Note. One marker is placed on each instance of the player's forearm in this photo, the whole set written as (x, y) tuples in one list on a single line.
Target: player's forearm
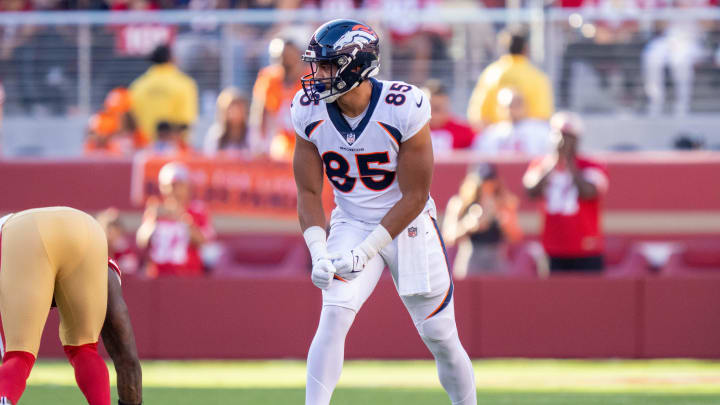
[(586, 190), (127, 365), (310, 210), (534, 183), (129, 382), (403, 212)]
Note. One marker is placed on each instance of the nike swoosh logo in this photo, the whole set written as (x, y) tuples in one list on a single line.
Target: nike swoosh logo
[(421, 100)]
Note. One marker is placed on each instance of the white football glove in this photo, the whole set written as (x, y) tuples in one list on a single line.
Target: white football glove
[(322, 273), (350, 261), (355, 259)]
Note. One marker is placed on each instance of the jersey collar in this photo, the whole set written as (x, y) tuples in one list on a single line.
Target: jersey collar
[(340, 123)]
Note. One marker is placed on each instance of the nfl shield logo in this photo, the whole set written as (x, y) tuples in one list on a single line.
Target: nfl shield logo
[(350, 138), (412, 231)]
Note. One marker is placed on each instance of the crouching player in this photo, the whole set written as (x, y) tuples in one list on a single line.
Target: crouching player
[(58, 256), (373, 141)]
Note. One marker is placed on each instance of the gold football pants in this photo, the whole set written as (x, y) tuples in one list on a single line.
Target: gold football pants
[(48, 253)]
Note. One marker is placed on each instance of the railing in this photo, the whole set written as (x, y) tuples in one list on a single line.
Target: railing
[(64, 63)]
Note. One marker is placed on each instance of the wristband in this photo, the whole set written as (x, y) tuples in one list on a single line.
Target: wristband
[(316, 241), (378, 239)]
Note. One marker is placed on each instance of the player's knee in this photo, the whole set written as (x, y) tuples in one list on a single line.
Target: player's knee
[(337, 320), (75, 353), (437, 328)]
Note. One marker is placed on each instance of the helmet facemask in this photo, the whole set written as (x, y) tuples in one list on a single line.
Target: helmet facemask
[(345, 75)]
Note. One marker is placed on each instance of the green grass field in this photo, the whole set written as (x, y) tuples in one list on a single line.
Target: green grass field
[(516, 382)]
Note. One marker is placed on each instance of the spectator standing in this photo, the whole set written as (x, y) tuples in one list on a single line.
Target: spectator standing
[(516, 133), (273, 92), (571, 188), (163, 93), (175, 228), (679, 48), (447, 131), (229, 133), (481, 219), (416, 46), (512, 70), (609, 44)]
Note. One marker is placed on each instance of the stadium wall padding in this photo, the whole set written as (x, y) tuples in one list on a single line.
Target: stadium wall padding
[(638, 182), (564, 317)]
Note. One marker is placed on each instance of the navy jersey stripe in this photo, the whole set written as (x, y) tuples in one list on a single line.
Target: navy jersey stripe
[(449, 294), (392, 131), (342, 125), (310, 128)]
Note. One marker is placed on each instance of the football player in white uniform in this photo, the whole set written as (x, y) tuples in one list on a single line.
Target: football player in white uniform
[(371, 138)]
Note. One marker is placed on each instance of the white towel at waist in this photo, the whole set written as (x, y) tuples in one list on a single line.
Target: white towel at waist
[(413, 268)]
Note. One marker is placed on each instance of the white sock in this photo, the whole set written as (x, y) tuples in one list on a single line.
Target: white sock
[(326, 355)]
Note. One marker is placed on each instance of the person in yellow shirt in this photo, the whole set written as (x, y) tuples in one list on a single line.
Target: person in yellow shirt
[(513, 70), (163, 93)]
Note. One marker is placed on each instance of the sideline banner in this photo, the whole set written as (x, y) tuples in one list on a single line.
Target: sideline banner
[(229, 185)]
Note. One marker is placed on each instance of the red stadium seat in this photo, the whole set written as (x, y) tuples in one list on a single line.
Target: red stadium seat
[(617, 249), (633, 263), (700, 256)]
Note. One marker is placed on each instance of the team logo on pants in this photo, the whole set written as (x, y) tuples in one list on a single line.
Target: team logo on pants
[(412, 231)]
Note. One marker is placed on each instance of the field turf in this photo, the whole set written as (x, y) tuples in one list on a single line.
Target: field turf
[(516, 382)]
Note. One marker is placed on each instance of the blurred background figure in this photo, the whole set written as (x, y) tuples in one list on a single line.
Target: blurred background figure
[(481, 219), (571, 188), (610, 47), (448, 131), (420, 49), (679, 48), (516, 133), (274, 89), (163, 93), (113, 131), (513, 70), (229, 132), (174, 227), (169, 139), (121, 247)]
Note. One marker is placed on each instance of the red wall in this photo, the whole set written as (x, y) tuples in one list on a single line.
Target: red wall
[(497, 317), (638, 182)]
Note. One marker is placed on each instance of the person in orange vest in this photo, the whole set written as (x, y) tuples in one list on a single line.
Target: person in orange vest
[(275, 87)]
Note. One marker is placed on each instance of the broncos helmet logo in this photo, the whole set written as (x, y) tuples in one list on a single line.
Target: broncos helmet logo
[(359, 37)]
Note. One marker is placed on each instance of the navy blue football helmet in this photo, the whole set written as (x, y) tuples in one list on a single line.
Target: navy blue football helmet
[(353, 51)]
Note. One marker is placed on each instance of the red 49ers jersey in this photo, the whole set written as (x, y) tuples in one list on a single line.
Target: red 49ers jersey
[(572, 225)]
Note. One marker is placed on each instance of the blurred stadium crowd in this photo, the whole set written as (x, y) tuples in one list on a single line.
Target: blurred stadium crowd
[(208, 89)]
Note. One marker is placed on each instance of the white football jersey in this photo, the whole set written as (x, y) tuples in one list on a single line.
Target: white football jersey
[(361, 162)]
